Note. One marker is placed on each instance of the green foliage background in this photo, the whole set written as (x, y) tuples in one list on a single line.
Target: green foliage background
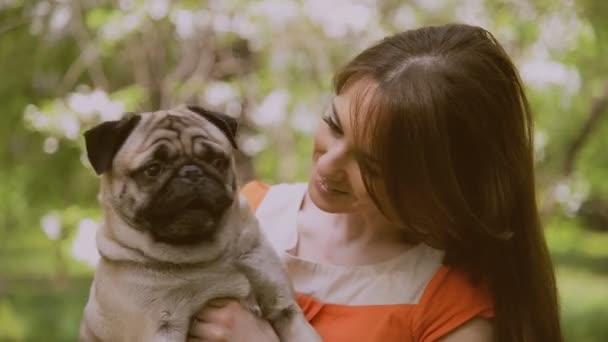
[(66, 65)]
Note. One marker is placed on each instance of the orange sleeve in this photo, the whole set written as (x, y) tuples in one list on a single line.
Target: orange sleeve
[(254, 192), (449, 301)]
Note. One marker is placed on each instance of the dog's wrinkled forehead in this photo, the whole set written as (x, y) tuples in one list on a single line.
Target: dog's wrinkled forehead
[(177, 131), (185, 125), (180, 125)]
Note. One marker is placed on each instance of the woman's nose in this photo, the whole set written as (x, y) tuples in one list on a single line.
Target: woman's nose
[(333, 163)]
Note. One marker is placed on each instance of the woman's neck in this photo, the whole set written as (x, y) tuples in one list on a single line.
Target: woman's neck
[(346, 238), (361, 225)]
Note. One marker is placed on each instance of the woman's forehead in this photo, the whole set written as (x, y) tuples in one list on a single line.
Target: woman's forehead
[(357, 99), (359, 107)]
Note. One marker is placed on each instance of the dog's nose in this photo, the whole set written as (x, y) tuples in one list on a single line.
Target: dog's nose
[(190, 172)]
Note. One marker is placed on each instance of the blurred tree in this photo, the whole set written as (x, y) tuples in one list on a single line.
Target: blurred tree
[(67, 65)]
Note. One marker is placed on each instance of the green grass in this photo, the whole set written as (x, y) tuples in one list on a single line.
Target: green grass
[(43, 310), (581, 259)]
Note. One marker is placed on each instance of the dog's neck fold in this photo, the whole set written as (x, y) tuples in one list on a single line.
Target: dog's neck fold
[(117, 241)]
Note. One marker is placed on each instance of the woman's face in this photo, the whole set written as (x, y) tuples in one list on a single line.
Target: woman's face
[(336, 185)]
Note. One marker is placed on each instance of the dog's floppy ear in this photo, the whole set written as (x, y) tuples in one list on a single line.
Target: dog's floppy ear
[(104, 140), (226, 123)]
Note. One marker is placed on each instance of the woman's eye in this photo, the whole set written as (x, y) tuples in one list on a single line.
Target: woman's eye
[(153, 170), (331, 124)]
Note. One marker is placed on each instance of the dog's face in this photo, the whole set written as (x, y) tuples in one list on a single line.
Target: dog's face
[(169, 173)]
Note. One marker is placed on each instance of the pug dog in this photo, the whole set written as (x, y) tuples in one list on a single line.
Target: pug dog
[(175, 233)]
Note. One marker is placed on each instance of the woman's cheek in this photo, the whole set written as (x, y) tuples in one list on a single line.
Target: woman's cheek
[(320, 144)]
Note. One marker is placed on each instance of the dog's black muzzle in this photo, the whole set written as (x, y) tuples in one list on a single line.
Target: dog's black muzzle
[(190, 207)]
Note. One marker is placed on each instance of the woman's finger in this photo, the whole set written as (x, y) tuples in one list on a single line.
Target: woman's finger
[(224, 316), (203, 331), (194, 329)]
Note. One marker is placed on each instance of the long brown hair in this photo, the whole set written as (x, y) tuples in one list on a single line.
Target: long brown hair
[(451, 134)]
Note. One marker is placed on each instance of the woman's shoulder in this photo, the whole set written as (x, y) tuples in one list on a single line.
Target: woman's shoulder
[(450, 300), (258, 193), (276, 208), (254, 192)]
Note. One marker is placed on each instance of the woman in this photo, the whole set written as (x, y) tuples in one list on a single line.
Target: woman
[(419, 221)]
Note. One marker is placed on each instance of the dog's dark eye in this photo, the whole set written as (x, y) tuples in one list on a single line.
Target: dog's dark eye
[(153, 170), (218, 162)]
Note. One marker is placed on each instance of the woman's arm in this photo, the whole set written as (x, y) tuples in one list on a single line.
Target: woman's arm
[(475, 330)]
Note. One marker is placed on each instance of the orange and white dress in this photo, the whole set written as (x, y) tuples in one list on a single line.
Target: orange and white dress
[(412, 297)]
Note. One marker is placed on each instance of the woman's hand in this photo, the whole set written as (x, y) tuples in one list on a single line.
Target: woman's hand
[(225, 320)]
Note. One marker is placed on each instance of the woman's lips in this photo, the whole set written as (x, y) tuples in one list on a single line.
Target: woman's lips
[(329, 187)]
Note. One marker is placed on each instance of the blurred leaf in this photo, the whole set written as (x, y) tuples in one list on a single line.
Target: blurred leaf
[(97, 17), (132, 96), (11, 325)]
